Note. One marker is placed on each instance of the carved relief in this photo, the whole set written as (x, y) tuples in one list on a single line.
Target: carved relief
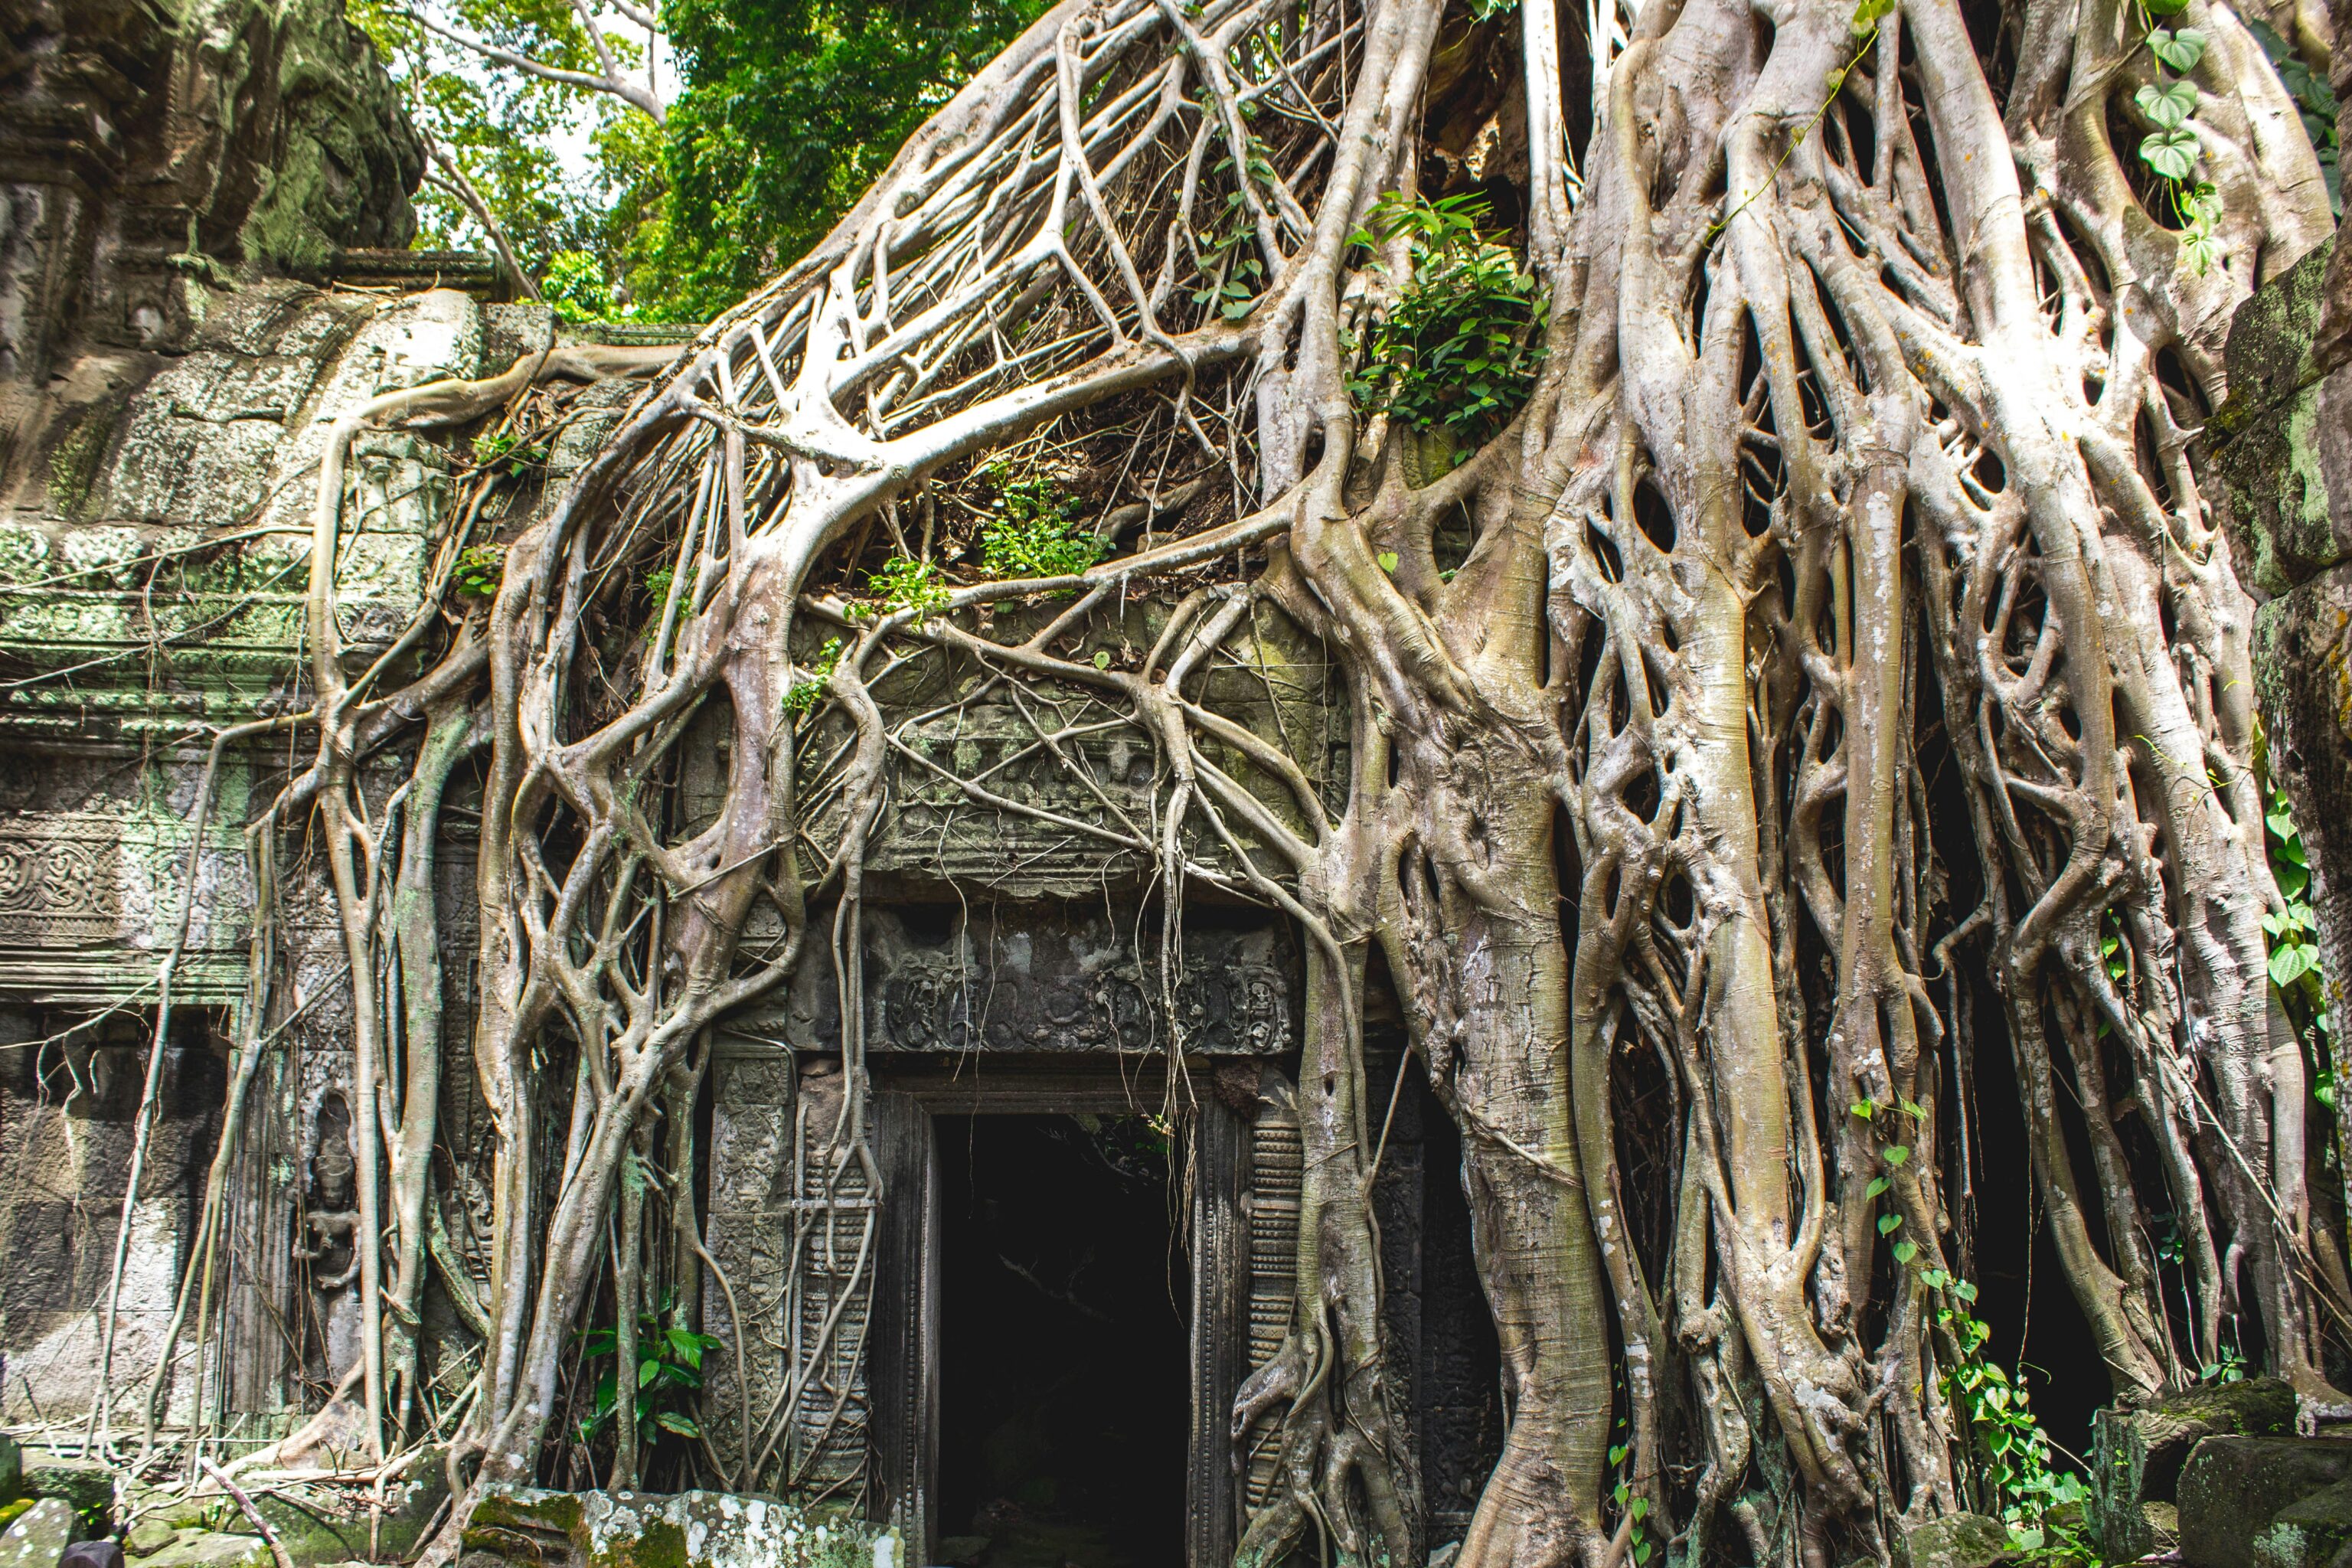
[(1031, 978)]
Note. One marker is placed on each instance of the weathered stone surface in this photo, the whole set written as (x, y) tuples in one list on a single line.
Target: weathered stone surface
[(2311, 1533), (320, 1524), (1959, 1541), (1048, 980), (265, 135), (2136, 1455), (85, 1486), (149, 1536), (39, 1536), (2281, 433), (210, 1549), (679, 1530), (2303, 683), (2232, 1488)]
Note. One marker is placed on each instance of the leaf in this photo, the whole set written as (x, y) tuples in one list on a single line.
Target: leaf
[(2165, 8), (1388, 560), (688, 1346), (2179, 51), (1897, 1155), (1904, 1252), (1877, 1186), (684, 1425), (2168, 107), (1641, 1506), (1887, 1221), (2288, 964), (1617, 1452), (1862, 1108), (1102, 658), (1965, 1290), (2171, 153), (1867, 15)]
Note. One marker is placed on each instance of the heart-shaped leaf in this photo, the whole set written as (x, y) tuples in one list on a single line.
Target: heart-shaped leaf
[(1904, 1252), (2179, 51), (1887, 1221), (2168, 107), (2171, 153)]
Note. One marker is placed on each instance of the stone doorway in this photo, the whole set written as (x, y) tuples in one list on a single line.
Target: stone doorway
[(1077, 1413), (1065, 1378)]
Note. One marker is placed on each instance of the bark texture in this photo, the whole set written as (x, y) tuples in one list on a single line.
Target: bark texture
[(1862, 450)]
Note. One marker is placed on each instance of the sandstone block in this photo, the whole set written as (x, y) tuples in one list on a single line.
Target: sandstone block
[(2233, 1487), (1959, 1541), (2137, 1455), (39, 1536), (678, 1529)]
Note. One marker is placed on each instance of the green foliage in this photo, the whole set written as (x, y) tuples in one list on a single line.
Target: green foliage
[(804, 693), (480, 569), (496, 447), (657, 586), (1036, 532), (2294, 929), (2010, 1464), (904, 585), (667, 1373), (1457, 349), (2293, 933), (2169, 148), (2314, 102), (791, 108), (574, 287), (498, 124)]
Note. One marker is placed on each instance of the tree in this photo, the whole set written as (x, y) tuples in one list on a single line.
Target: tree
[(490, 84), (1809, 402), (793, 107)]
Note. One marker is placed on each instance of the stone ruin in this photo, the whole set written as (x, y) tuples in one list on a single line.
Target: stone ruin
[(203, 223)]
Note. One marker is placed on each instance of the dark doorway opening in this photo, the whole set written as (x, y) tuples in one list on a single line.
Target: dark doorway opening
[(1065, 1379)]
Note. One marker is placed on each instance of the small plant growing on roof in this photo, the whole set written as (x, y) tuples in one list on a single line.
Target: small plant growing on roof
[(480, 569), (1036, 532), (1457, 348)]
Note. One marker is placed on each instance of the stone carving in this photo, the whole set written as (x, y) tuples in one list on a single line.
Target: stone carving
[(1049, 979), (936, 1003), (131, 136)]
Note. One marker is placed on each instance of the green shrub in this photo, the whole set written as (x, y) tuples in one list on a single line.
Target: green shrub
[(1036, 532), (1457, 349)]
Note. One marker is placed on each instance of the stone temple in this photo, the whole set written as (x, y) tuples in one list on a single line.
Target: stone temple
[(1035, 1314), (204, 222)]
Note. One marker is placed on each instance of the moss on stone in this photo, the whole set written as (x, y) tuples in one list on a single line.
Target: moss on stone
[(73, 462)]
